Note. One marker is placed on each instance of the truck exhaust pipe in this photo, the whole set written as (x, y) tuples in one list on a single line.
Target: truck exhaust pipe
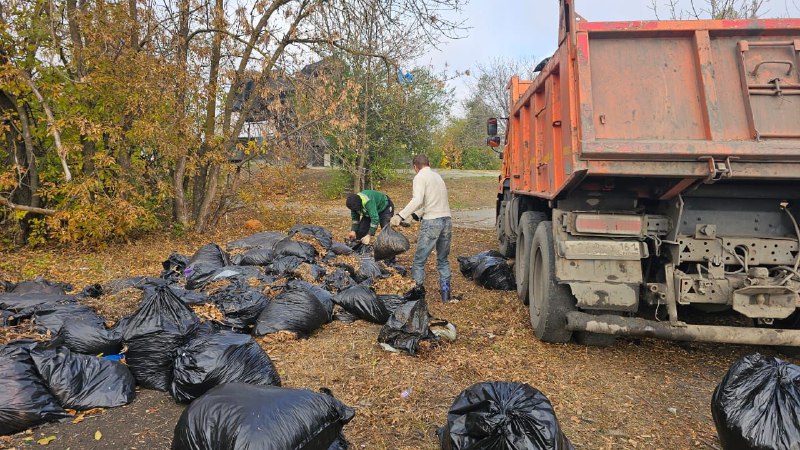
[(627, 326)]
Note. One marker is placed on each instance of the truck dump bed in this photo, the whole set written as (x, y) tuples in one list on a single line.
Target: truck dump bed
[(673, 102)]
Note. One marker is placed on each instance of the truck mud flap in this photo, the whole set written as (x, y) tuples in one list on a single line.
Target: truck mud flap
[(625, 326)]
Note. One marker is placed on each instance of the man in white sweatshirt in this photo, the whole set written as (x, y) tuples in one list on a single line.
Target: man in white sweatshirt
[(430, 205)]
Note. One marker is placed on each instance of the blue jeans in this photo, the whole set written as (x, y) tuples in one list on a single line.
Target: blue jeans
[(434, 233)]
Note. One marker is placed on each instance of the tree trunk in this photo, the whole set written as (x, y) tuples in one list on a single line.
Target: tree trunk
[(208, 197), (89, 149), (206, 181), (180, 199), (180, 212)]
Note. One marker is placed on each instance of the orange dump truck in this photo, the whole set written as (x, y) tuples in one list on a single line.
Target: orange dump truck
[(651, 176)]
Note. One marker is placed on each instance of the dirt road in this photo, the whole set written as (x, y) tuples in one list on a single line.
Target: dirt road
[(638, 393)]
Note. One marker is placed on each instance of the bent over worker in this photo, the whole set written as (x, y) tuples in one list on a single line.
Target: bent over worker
[(429, 204), (368, 209)]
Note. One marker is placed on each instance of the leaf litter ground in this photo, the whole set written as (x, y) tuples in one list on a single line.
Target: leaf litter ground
[(637, 394)]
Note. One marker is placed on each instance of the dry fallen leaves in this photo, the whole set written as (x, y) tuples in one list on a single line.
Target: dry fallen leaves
[(25, 330), (208, 311), (46, 440), (393, 285), (98, 435), (299, 237)]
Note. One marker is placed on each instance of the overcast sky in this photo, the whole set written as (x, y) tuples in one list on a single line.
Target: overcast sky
[(528, 28)]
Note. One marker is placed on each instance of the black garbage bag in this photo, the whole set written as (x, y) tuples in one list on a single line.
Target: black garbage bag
[(285, 265), (342, 315), (324, 297), (240, 304), (390, 243), (368, 269), (338, 248), (489, 269), (502, 416), (399, 268), (407, 326), (51, 317), (467, 264), (340, 443), (39, 286), (174, 266), (211, 359), (25, 401), (28, 302), (237, 416), (266, 239), (302, 250), (188, 297), (242, 273), (88, 338), (7, 318), (295, 310), (392, 302), (91, 291), (323, 236), (338, 280), (495, 273), (757, 405), (160, 325), (204, 264), (254, 257), (120, 284), (363, 303), (316, 272), (83, 382)]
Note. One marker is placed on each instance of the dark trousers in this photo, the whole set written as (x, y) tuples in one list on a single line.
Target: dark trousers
[(383, 217)]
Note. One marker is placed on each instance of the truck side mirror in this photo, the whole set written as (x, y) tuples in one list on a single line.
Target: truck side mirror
[(493, 141), (491, 127)]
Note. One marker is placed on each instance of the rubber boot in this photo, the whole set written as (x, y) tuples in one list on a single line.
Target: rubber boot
[(444, 290)]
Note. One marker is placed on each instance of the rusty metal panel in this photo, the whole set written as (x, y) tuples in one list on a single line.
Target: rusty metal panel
[(606, 296), (646, 89), (669, 97), (599, 271), (771, 86)]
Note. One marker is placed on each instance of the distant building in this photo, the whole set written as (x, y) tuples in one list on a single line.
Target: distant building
[(273, 115)]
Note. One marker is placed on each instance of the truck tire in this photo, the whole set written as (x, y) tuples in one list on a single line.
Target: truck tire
[(549, 301), (505, 245), (512, 217), (526, 229)]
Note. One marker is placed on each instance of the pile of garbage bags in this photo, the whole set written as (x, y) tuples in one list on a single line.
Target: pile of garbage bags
[(757, 405), (502, 416), (488, 269), (38, 384), (194, 334)]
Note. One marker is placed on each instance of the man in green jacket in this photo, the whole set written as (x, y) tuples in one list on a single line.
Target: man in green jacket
[(368, 209)]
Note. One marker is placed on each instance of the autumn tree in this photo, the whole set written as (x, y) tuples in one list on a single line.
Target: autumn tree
[(119, 116), (708, 9)]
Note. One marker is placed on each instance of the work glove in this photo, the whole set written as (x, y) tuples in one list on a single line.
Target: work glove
[(351, 236), (396, 219), (366, 239)]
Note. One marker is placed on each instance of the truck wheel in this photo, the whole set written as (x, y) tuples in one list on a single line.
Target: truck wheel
[(506, 245), (549, 301), (526, 229)]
